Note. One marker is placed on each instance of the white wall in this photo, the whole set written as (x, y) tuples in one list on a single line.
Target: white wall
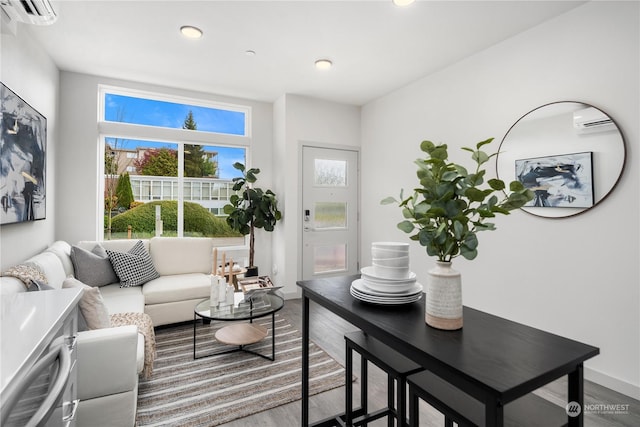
[(79, 143), (299, 121), (28, 71), (577, 277)]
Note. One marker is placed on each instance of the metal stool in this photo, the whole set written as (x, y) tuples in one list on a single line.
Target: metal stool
[(423, 385), (459, 407), (397, 367)]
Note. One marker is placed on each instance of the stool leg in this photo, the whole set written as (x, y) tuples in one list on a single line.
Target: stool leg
[(402, 402), (414, 413), (391, 401), (348, 386), (364, 389)]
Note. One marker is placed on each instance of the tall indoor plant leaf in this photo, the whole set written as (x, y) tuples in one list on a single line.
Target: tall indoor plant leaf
[(251, 207)]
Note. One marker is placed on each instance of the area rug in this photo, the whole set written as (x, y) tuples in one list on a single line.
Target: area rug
[(215, 390)]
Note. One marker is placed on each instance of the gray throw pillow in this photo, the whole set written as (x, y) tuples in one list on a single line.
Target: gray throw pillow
[(35, 286), (93, 268), (135, 267)]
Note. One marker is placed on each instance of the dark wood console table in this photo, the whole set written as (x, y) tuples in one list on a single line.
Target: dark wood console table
[(493, 360)]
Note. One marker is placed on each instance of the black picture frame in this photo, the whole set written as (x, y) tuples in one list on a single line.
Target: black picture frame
[(558, 181), (23, 160)]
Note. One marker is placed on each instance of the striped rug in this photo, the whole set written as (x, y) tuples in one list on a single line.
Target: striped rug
[(215, 390)]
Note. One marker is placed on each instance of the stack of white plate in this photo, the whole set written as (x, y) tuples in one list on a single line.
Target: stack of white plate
[(389, 280)]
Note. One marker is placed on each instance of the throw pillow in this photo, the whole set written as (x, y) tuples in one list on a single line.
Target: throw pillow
[(35, 286), (135, 267), (92, 308), (93, 268)]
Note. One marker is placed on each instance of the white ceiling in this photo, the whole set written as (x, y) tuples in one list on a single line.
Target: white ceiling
[(375, 46)]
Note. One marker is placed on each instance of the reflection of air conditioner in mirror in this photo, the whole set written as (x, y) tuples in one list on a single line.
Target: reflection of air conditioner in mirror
[(38, 12), (592, 120)]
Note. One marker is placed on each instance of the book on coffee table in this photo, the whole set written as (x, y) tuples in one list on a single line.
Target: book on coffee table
[(255, 285)]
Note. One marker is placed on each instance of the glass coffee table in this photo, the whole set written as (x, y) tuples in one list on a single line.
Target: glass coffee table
[(241, 334)]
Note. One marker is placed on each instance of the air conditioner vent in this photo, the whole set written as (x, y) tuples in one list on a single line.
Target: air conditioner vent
[(590, 120), (38, 12)]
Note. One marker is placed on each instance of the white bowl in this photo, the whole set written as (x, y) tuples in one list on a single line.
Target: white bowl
[(390, 287), (394, 246), (391, 272), (370, 275), (379, 253), (402, 261)]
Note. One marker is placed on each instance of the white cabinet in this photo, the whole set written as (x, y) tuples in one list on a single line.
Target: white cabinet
[(38, 372)]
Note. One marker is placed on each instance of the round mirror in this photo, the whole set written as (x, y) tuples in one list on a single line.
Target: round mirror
[(570, 154)]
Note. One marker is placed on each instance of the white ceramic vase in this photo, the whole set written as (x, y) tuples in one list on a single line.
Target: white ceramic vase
[(443, 305)]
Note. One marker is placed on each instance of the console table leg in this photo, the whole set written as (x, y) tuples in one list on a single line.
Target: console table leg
[(494, 413), (576, 394)]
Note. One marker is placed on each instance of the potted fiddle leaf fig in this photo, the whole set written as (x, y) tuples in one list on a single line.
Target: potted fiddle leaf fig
[(445, 213), (251, 208)]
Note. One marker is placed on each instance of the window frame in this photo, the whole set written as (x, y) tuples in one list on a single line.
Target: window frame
[(109, 129)]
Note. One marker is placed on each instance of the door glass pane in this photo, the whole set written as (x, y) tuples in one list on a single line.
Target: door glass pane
[(332, 173), (329, 258), (330, 215)]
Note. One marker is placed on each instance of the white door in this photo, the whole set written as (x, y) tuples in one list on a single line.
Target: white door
[(329, 212)]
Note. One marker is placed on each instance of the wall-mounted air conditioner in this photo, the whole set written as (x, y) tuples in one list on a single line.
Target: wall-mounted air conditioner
[(38, 12), (592, 120)]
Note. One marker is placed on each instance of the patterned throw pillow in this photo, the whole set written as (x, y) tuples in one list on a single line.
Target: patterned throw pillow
[(135, 267)]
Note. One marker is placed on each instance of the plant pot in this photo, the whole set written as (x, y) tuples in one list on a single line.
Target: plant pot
[(252, 271), (443, 304)]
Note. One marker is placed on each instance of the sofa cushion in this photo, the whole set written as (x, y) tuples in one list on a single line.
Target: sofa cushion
[(93, 268), (178, 287), (91, 305), (62, 250), (173, 255), (135, 267), (122, 245), (11, 285), (123, 300), (49, 265)]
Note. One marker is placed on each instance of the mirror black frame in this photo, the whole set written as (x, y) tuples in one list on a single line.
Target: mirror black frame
[(565, 107)]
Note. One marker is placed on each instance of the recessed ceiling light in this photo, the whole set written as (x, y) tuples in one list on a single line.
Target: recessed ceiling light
[(191, 32), (323, 64), (403, 3), (250, 52)]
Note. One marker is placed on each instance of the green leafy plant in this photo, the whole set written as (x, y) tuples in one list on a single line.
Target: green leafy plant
[(250, 207), (124, 193), (198, 221), (452, 205)]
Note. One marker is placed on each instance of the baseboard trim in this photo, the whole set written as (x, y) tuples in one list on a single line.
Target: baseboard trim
[(613, 383)]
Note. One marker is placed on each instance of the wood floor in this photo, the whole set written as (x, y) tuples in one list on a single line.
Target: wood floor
[(327, 330)]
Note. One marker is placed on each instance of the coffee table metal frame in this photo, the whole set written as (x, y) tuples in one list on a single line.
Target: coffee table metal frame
[(233, 313)]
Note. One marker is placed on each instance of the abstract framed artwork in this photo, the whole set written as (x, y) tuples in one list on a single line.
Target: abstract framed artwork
[(558, 181), (23, 141)]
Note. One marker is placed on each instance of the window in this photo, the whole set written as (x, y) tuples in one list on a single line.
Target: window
[(153, 112), (181, 158)]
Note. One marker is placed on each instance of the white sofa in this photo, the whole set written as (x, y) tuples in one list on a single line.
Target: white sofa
[(111, 359)]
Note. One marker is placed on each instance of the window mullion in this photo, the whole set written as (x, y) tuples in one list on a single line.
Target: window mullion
[(180, 190)]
